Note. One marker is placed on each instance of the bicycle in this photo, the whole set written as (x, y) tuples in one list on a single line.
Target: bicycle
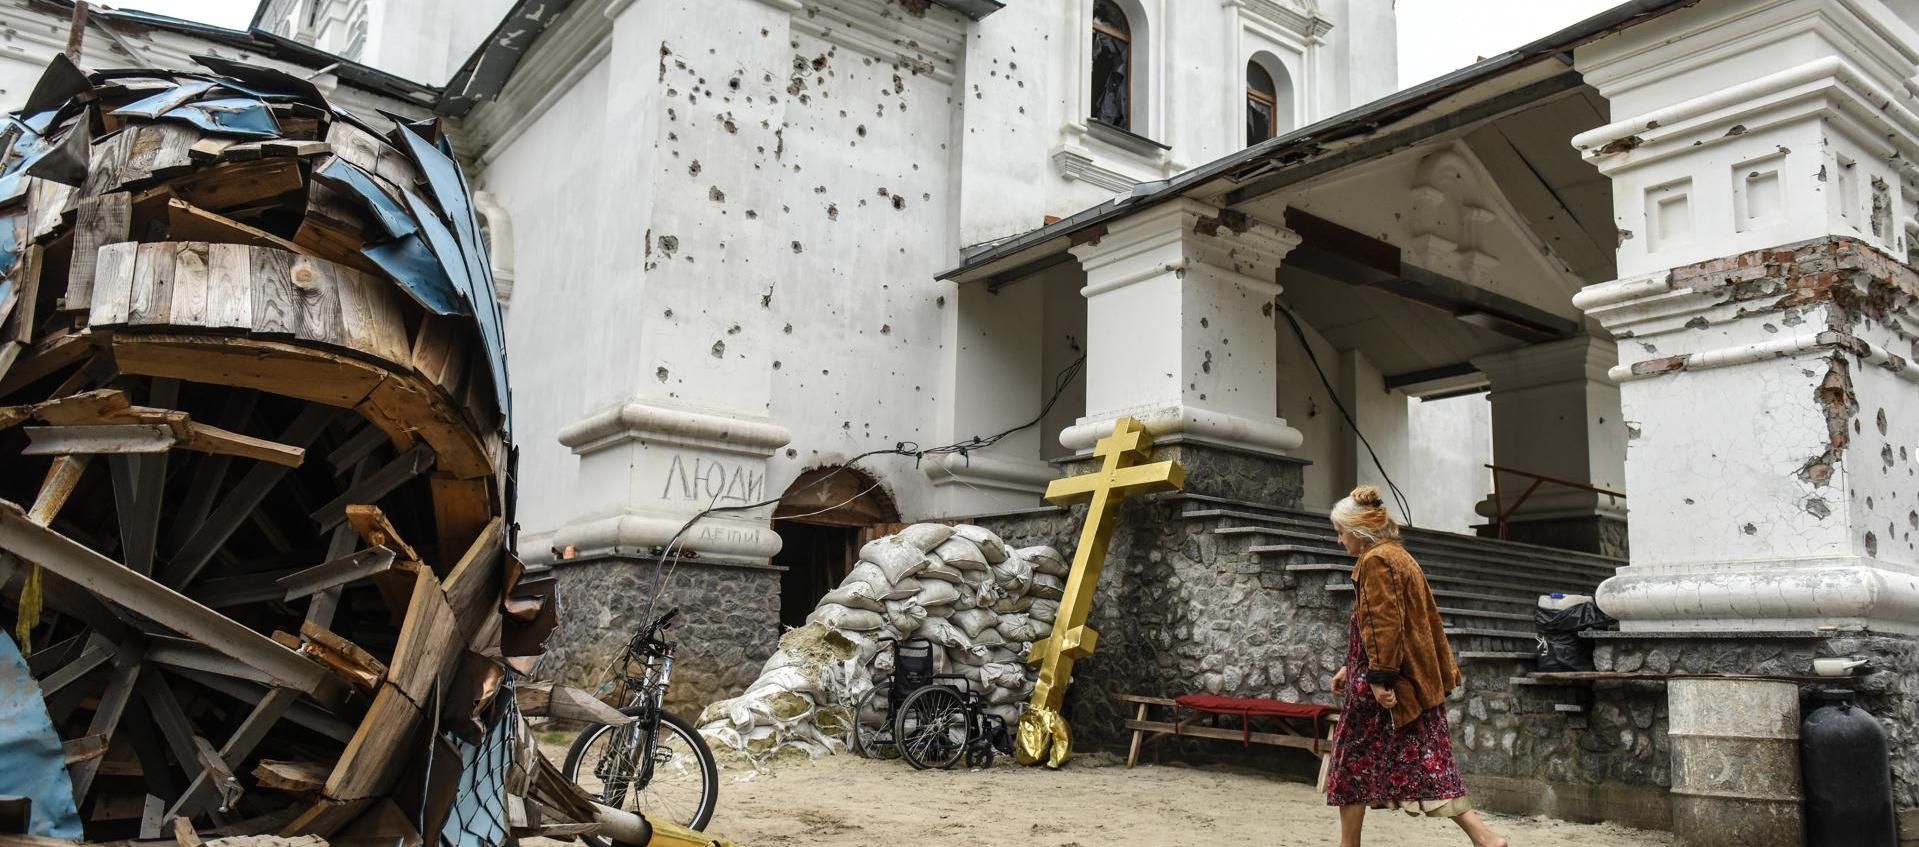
[(938, 725), (657, 765)]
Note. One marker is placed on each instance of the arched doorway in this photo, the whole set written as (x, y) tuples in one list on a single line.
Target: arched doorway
[(824, 519)]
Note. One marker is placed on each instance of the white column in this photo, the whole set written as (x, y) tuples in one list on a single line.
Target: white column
[(1764, 326), (997, 383), (1556, 413), (1180, 331)]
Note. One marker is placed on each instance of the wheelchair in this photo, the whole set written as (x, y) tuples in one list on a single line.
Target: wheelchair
[(932, 720)]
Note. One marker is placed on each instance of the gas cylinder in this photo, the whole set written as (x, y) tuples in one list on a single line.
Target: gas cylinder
[(1848, 776)]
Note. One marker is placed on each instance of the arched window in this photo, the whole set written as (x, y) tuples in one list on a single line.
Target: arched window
[(1262, 105), (1112, 66)]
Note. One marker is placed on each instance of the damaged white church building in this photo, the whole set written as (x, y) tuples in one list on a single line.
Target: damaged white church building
[(1630, 308)]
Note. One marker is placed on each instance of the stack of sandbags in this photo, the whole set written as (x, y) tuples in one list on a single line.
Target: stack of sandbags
[(980, 603)]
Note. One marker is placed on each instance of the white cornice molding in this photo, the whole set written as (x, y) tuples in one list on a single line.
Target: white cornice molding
[(1076, 163), (1283, 16), (1181, 235), (983, 470), (931, 44), (1586, 357), (653, 421)]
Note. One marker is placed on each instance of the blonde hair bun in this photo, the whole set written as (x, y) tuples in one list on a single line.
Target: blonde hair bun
[(1364, 513), (1367, 496)]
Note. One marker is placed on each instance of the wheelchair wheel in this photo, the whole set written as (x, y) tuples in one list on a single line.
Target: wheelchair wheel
[(979, 756), (873, 730), (932, 727)]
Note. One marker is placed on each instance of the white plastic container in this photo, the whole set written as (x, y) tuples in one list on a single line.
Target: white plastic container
[(1556, 600)]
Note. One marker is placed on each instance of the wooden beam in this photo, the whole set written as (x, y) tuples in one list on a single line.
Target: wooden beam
[(94, 440), (211, 782), (342, 571), (345, 658), (291, 777), (241, 500), (372, 525), (71, 561), (416, 460)]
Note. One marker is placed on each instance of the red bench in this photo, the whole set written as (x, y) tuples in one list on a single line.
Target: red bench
[(1305, 726)]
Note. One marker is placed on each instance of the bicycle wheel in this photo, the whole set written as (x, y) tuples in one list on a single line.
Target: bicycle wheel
[(931, 729), (872, 733), (685, 785)]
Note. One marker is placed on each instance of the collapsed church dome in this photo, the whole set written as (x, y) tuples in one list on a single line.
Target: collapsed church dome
[(254, 422)]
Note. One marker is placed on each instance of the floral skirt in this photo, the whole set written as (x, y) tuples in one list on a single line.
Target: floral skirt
[(1411, 768)]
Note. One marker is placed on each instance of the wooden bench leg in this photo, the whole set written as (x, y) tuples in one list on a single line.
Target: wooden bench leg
[(1132, 755)]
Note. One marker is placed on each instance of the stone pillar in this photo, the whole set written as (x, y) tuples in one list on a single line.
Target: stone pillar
[(1764, 328), (1556, 414), (997, 382), (1180, 335)]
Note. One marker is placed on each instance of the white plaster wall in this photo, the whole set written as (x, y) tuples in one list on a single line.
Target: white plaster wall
[(1881, 470), (559, 352), (427, 40), (1451, 442), (1307, 406)]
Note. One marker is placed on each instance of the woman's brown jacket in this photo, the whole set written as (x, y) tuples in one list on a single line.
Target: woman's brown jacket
[(1400, 629)]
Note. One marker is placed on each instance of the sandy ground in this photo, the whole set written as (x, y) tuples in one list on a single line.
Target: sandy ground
[(1093, 802)]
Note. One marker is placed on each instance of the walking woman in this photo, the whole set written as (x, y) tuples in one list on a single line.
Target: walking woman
[(1392, 749)]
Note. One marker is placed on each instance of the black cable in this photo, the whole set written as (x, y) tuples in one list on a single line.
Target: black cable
[(1405, 507), (904, 448)]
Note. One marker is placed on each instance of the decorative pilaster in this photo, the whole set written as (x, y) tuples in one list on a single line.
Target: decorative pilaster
[(1181, 336), (1556, 414), (1763, 326)]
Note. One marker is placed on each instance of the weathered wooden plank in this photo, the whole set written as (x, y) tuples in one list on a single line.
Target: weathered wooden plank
[(98, 221), (439, 352), (18, 327), (429, 643), (392, 724), (241, 500), (276, 303), (268, 366), (212, 784), (545, 699), (317, 282), (187, 223), (339, 571), (372, 525), (229, 287), (212, 439), (62, 557), (57, 488), (461, 509), (112, 293), (364, 318), (158, 150), (111, 439), (190, 282), (291, 777), (326, 817), (422, 412), (106, 714), (414, 461), (230, 185), (210, 149), (150, 301), (473, 586), (345, 658)]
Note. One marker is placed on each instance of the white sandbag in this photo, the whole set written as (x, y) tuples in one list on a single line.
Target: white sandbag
[(1014, 576), (1019, 626), (1003, 675), (1044, 610), (1004, 696), (1013, 603), (968, 658), (855, 595), (1045, 560), (868, 573), (843, 617), (967, 599), (1012, 652), (779, 659), (925, 536), (975, 621), (901, 590), (942, 632), (790, 678), (895, 558), (936, 593), (961, 553), (1047, 587), (933, 569), (1008, 712), (988, 637), (986, 594), (996, 550), (905, 617)]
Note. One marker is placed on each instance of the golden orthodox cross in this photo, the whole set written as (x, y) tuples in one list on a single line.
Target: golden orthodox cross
[(1122, 473)]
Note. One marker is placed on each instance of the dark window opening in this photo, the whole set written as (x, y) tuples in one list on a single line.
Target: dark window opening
[(1112, 66), (1262, 105)]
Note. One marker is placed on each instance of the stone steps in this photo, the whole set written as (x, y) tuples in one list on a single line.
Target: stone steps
[(1430, 556), (1523, 592), (1317, 521)]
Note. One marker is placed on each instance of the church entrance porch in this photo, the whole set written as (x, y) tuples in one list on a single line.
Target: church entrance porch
[(827, 515)]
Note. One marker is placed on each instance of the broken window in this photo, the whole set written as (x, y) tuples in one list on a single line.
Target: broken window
[(1262, 105), (1112, 66)]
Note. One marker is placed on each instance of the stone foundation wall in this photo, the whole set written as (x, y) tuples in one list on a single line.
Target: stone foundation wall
[(729, 623)]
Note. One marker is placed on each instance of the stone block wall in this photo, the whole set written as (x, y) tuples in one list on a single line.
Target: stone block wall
[(729, 623)]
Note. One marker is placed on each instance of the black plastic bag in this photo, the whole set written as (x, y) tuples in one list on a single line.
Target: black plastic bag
[(1560, 647)]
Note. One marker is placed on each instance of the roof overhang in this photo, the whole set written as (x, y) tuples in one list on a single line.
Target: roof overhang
[(1508, 82)]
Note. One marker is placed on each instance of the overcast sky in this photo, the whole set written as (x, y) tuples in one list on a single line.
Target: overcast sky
[(1435, 36)]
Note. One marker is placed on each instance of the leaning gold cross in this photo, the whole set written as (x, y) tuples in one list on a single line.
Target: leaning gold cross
[(1121, 475)]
